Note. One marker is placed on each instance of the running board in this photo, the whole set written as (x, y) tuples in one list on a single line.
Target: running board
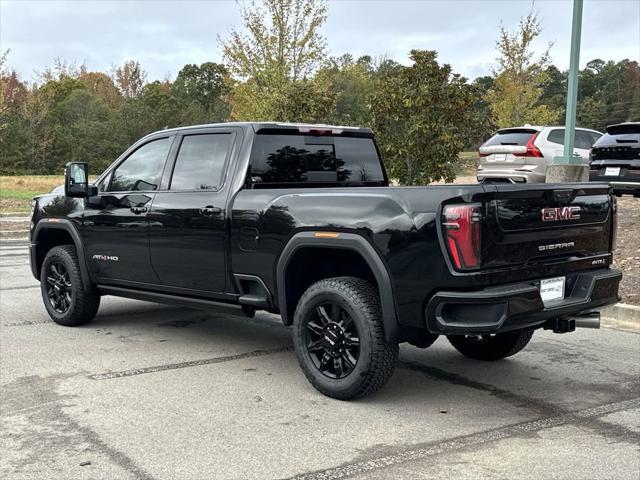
[(189, 302), (255, 301)]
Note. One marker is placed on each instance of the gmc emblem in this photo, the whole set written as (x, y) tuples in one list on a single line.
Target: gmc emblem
[(557, 214)]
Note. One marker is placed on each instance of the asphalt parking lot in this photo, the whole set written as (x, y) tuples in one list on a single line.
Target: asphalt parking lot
[(155, 392)]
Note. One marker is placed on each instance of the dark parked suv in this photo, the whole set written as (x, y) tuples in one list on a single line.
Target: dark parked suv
[(300, 220), (615, 158)]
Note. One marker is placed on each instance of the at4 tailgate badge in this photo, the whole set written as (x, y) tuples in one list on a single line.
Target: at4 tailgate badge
[(557, 214)]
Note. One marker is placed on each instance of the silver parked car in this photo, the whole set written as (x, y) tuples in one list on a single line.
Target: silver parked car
[(521, 154)]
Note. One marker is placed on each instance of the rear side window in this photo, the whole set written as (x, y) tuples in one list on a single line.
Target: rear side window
[(200, 162), (510, 137), (282, 158), (556, 136), (584, 139)]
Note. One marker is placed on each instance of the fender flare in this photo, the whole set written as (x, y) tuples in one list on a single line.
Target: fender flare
[(347, 241), (69, 227)]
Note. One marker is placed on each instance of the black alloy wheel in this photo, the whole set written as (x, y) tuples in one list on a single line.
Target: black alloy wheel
[(59, 287), (332, 340), (67, 300), (339, 338)]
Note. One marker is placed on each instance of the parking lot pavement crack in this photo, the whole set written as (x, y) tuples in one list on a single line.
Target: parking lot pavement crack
[(40, 438), (192, 363), (23, 287), (536, 405), (475, 440)]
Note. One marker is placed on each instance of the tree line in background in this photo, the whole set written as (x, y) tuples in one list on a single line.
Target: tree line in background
[(277, 68)]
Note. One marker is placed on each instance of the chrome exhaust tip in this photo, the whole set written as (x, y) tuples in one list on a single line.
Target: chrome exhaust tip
[(587, 320)]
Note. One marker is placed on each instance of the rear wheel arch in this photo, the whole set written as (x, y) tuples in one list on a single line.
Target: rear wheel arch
[(307, 259), (49, 234)]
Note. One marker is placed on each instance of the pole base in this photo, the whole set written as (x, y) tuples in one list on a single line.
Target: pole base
[(567, 173)]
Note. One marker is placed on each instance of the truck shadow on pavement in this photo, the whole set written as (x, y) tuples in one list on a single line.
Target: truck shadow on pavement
[(538, 379)]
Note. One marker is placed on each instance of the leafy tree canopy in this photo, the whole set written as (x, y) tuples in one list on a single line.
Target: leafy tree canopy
[(420, 115)]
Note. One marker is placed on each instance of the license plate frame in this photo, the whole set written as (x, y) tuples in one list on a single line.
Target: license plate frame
[(611, 171), (499, 157), (552, 289)]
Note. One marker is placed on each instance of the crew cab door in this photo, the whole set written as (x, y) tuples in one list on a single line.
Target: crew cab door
[(187, 221), (116, 225)]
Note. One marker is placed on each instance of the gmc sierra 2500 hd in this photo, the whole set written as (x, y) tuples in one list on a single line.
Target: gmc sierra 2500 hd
[(300, 220)]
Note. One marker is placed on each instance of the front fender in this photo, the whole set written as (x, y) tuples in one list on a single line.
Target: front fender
[(37, 237)]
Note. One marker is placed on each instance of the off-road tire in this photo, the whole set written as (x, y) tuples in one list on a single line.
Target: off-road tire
[(491, 348), (83, 305), (376, 358)]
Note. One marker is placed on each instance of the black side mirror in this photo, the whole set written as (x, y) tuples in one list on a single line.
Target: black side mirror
[(76, 180)]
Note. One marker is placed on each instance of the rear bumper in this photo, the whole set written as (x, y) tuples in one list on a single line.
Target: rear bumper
[(519, 306), (626, 182), (512, 175), (626, 187)]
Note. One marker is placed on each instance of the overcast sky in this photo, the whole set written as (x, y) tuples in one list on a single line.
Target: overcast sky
[(165, 35)]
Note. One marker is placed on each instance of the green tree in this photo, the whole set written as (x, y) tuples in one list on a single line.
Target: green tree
[(420, 114), (14, 95), (102, 86), (200, 91), (130, 78), (608, 93), (480, 125), (519, 78), (281, 44), (351, 83)]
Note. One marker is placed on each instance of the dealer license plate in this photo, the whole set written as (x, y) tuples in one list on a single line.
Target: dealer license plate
[(552, 289), (612, 171)]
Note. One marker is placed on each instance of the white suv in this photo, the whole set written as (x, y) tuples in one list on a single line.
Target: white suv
[(521, 154)]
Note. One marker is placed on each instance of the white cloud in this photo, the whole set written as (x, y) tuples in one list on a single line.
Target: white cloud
[(165, 35)]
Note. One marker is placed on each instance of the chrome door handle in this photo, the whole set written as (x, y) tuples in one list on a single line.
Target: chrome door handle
[(138, 210), (210, 210)]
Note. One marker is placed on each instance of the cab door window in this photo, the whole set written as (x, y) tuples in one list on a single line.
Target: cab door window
[(142, 170)]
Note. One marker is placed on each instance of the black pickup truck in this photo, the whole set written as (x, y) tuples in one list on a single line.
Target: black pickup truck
[(300, 220)]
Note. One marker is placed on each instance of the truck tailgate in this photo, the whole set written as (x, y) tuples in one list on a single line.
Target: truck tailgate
[(546, 223)]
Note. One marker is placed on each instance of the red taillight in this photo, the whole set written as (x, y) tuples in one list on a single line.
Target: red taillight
[(463, 235), (532, 150), (614, 224)]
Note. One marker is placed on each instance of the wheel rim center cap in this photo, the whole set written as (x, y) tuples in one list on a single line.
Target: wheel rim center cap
[(333, 337)]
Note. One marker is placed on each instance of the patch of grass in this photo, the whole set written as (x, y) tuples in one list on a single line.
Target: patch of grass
[(468, 162), (16, 192), (30, 183)]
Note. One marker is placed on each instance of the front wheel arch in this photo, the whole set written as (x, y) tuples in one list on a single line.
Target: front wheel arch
[(50, 233)]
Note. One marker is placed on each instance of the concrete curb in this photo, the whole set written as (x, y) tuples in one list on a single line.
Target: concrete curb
[(13, 234), (622, 317), (14, 241), (14, 214)]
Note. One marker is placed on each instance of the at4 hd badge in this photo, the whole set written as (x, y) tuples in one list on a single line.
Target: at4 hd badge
[(105, 258)]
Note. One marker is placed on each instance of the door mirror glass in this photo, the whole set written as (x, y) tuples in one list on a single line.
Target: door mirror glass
[(75, 180)]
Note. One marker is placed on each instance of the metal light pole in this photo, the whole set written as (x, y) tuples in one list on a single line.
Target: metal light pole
[(572, 83), (569, 168)]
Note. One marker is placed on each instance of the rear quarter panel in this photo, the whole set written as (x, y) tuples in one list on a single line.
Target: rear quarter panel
[(400, 223)]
